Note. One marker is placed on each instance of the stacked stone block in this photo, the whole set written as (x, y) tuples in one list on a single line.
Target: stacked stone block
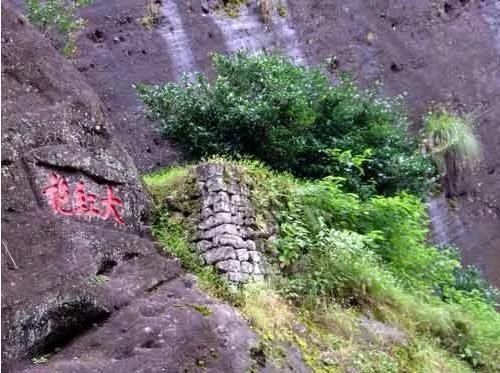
[(227, 230)]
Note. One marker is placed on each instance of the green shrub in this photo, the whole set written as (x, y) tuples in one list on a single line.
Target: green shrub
[(469, 281), (417, 288), (396, 226), (373, 255), (231, 7), (292, 119), (339, 266), (57, 19)]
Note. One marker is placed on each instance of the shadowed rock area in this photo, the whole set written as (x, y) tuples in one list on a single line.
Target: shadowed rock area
[(82, 283)]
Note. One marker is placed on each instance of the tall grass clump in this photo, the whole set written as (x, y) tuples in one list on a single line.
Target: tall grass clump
[(451, 142)]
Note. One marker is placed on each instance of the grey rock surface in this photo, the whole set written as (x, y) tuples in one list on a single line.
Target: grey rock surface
[(90, 292)]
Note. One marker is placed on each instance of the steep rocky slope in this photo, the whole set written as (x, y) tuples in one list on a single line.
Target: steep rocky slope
[(80, 280), (80, 277), (432, 52)]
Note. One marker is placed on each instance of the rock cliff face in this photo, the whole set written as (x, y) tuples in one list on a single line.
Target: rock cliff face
[(430, 51), (79, 271), (444, 52), (80, 277)]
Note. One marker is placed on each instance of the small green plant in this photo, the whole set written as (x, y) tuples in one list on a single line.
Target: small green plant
[(100, 279), (231, 7), (282, 9), (468, 280), (451, 141), (41, 359), (57, 19), (201, 308)]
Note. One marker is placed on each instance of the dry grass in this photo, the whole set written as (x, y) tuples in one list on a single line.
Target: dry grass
[(332, 340), (152, 17), (266, 309)]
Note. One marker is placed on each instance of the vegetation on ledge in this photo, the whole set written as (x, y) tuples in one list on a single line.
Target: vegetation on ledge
[(58, 19), (341, 264), (356, 284)]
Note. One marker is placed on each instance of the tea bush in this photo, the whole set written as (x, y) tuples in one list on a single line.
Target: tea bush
[(291, 118), (396, 226)]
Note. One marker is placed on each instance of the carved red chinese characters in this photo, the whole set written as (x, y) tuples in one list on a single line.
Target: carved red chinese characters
[(58, 194), (82, 203), (110, 203)]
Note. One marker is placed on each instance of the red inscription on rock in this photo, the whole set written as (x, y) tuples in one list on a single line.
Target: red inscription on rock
[(59, 196), (110, 203)]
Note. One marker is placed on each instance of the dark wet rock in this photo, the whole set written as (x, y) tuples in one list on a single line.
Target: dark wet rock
[(97, 35), (88, 289), (161, 333)]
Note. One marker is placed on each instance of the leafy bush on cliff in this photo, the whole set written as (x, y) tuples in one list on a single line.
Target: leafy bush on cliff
[(293, 119)]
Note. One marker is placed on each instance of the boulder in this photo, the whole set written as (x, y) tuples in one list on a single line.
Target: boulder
[(83, 285)]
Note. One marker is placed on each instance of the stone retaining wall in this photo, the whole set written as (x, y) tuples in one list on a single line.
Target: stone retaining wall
[(227, 234)]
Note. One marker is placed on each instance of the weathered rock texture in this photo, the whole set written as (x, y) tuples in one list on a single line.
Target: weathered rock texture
[(228, 235), (431, 51), (94, 294)]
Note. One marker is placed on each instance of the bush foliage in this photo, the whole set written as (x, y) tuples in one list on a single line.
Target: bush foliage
[(293, 119), (373, 254)]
